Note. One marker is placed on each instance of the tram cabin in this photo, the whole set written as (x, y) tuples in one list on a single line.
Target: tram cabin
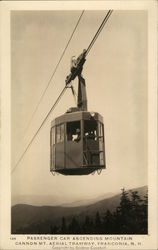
[(77, 143)]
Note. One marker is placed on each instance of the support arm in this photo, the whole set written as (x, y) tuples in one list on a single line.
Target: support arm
[(82, 95), (76, 70)]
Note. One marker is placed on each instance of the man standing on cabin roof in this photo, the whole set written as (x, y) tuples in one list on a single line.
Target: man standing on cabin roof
[(73, 65), (76, 71), (77, 64)]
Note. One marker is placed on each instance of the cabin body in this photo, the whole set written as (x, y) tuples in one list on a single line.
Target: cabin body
[(77, 143)]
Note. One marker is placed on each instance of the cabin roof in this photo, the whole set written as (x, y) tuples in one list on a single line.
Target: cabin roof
[(75, 116)]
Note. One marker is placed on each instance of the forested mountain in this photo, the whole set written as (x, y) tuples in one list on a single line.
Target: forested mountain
[(123, 213)]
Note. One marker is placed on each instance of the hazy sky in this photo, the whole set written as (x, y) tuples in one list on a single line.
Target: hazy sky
[(116, 78)]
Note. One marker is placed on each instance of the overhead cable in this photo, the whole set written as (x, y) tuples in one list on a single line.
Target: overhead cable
[(99, 30), (33, 114), (52, 108)]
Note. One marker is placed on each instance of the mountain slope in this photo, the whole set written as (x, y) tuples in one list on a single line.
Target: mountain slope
[(25, 216)]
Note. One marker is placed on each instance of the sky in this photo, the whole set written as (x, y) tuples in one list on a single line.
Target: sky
[(116, 80)]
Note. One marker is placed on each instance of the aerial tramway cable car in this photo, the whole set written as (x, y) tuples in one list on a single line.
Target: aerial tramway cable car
[(77, 137), (77, 144)]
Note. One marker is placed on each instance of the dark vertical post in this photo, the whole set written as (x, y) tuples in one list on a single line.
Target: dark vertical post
[(82, 96)]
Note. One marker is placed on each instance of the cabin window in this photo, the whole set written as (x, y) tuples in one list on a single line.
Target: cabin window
[(53, 136), (101, 158), (100, 129), (73, 131), (52, 159), (90, 129), (101, 140), (60, 133)]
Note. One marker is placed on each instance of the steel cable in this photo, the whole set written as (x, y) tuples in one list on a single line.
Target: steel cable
[(99, 30), (52, 108), (33, 114)]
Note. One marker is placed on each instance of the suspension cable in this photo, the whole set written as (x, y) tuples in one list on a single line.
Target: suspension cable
[(52, 108), (33, 114), (81, 59), (98, 31)]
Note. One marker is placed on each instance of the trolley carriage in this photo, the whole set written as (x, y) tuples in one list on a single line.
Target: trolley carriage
[(77, 137), (74, 152)]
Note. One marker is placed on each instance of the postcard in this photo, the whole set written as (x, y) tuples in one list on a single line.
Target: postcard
[(78, 125)]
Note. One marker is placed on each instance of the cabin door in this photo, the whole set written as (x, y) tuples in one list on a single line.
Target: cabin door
[(73, 148)]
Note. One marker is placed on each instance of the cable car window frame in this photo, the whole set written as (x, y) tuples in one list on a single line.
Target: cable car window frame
[(100, 130), (69, 136), (62, 132), (91, 136), (59, 133), (52, 135), (52, 148), (101, 143)]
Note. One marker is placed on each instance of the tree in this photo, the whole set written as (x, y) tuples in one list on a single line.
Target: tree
[(135, 212), (122, 215), (108, 222), (97, 223), (131, 215), (54, 229), (144, 215), (87, 227), (74, 227), (63, 226)]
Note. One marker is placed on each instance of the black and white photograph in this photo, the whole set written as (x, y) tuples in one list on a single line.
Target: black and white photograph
[(81, 120)]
